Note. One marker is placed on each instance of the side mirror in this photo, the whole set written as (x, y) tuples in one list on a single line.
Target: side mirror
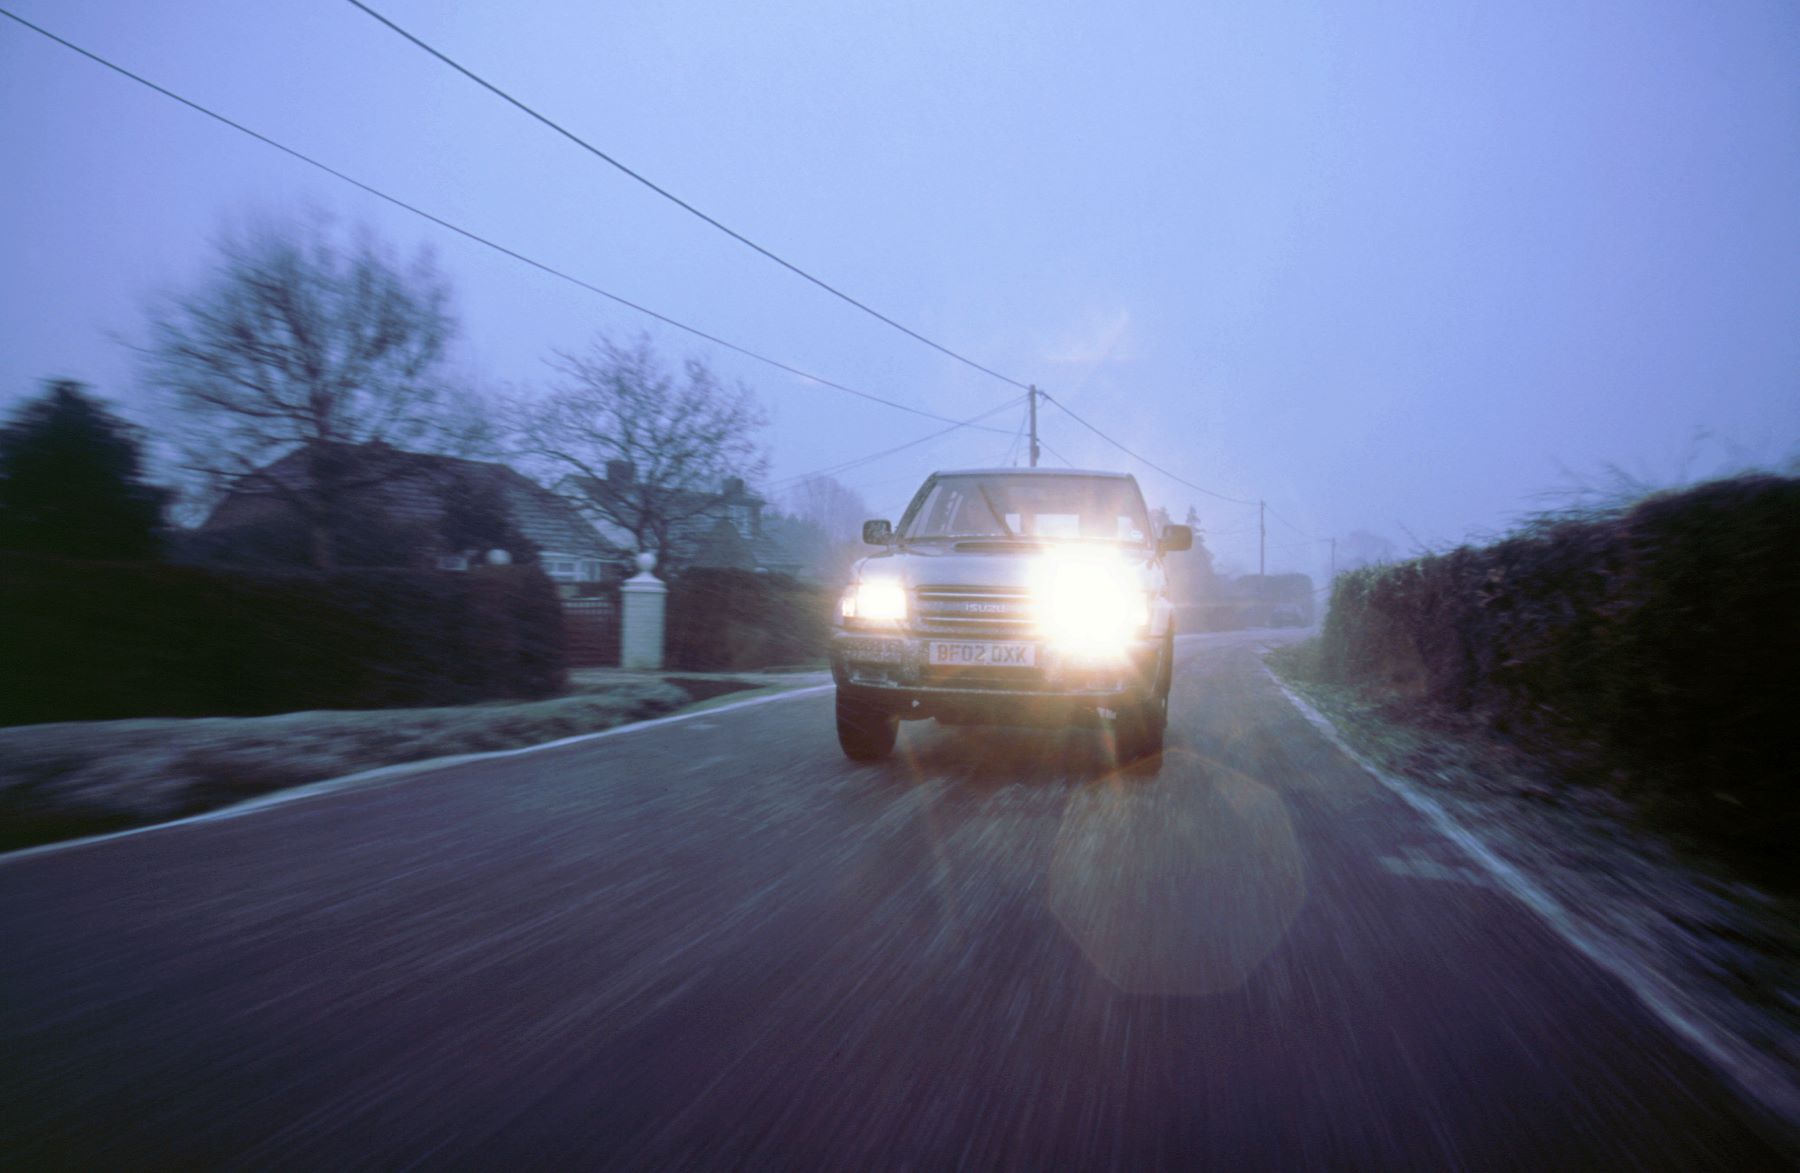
[(1176, 538), (878, 533)]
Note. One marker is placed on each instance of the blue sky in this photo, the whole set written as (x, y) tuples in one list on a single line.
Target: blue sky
[(1394, 267)]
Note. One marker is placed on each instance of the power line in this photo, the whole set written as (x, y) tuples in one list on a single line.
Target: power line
[(1140, 458), (482, 240), (626, 302), (847, 465), (1303, 533), (1041, 444), (677, 200)]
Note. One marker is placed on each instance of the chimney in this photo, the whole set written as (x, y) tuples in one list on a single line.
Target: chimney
[(620, 472), (734, 487)]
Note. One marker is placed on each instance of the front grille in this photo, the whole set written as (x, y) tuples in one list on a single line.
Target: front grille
[(976, 612)]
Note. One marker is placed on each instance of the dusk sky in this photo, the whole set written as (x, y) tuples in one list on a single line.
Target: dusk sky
[(1393, 267)]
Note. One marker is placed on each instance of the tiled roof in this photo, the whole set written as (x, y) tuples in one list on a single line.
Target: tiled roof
[(413, 491)]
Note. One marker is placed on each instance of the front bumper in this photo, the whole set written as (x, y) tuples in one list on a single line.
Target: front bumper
[(889, 670)]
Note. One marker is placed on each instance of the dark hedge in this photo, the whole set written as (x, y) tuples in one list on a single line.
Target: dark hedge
[(731, 620), (1665, 639), (96, 641)]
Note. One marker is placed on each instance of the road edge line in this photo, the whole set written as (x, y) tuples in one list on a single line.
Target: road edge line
[(393, 773), (1764, 1086)]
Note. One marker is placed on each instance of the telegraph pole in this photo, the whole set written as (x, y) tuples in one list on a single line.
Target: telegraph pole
[(1031, 397), (1262, 536)]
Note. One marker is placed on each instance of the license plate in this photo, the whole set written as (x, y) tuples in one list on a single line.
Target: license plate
[(986, 655)]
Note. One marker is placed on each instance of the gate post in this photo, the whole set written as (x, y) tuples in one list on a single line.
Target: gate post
[(642, 599)]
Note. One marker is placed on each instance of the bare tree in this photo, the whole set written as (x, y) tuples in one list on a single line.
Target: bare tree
[(300, 362), (822, 524), (1363, 548), (836, 509), (637, 446)]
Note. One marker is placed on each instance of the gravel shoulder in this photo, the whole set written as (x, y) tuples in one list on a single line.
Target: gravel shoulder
[(61, 781), (1720, 953)]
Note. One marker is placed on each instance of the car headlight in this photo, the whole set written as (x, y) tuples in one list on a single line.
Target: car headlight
[(875, 601), (1092, 608)]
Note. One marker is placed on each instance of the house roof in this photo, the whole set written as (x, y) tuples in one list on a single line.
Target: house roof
[(597, 489), (413, 489)]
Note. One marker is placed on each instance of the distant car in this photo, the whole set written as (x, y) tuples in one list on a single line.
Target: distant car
[(1287, 615), (1015, 597)]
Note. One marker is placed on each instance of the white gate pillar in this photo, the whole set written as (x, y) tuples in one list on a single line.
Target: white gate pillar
[(643, 598)]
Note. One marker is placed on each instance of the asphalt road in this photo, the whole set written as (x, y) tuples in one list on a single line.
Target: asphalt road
[(717, 943)]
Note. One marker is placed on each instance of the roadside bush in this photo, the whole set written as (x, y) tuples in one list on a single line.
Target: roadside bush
[(1661, 640), (94, 641), (731, 620)]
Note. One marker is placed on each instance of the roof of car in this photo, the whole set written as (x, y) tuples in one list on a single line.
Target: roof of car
[(1032, 472)]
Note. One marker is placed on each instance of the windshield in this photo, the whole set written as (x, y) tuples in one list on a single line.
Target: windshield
[(1063, 508)]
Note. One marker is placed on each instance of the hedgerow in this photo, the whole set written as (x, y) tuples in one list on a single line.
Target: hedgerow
[(1661, 639), (95, 641)]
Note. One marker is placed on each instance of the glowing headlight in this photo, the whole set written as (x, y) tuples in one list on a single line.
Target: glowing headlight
[(877, 601), (1092, 607)]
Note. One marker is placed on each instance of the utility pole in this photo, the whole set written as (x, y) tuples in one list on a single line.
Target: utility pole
[(1031, 395), (1333, 559), (1262, 538)]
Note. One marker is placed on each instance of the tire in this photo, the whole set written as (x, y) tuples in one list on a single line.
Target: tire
[(865, 733), (1138, 731)]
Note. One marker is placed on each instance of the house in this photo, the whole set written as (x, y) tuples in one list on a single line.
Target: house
[(722, 529), (412, 508)]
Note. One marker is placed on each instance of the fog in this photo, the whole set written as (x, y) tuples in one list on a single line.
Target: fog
[(1401, 270)]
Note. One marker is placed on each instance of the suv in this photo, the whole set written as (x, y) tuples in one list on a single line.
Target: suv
[(1011, 597)]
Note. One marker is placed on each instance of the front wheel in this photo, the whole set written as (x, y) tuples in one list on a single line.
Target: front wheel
[(866, 733), (1138, 731)]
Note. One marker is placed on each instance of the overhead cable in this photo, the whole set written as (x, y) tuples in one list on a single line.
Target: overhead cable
[(1139, 457), (1284, 521), (677, 200), (847, 465), (482, 240)]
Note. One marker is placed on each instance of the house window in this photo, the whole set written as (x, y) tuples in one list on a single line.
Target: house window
[(568, 568)]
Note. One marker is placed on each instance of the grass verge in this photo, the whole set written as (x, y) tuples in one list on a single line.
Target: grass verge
[(60, 781)]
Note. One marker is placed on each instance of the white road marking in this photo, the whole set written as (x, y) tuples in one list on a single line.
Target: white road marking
[(395, 772), (1763, 1082)]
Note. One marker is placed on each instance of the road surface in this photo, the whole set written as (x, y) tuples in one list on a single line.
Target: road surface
[(714, 942)]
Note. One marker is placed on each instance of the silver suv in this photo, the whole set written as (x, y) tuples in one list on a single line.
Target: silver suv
[(1012, 597)]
